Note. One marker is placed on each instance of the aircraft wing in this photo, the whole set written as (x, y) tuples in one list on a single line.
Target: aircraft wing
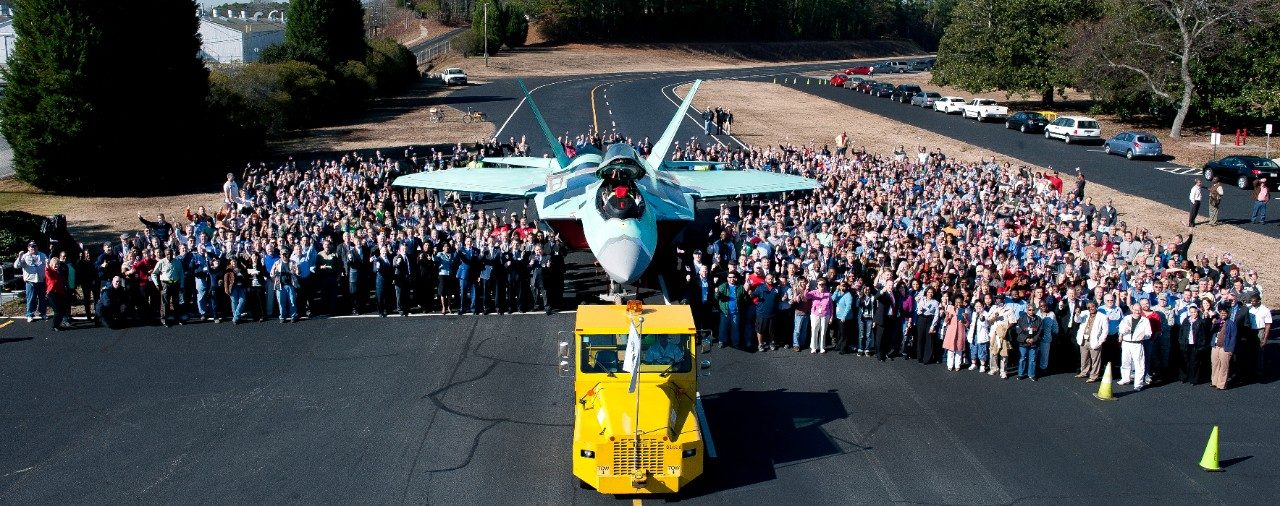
[(724, 183), (533, 162), (519, 182)]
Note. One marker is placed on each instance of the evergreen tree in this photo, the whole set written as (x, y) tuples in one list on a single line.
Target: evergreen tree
[(47, 106), (325, 32), (1012, 45), (81, 100)]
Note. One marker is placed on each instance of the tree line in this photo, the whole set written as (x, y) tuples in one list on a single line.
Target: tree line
[(739, 20), (95, 104), (1209, 62)]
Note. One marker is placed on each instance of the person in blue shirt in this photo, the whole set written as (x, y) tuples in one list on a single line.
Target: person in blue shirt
[(731, 297), (846, 326), (766, 295), (1112, 312), (468, 259)]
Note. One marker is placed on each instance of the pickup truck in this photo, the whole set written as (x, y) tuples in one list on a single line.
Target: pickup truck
[(982, 109), (453, 76)]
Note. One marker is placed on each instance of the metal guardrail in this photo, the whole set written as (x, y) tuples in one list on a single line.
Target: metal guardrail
[(433, 48)]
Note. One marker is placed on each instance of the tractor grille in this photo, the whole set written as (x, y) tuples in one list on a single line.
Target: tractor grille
[(651, 457)]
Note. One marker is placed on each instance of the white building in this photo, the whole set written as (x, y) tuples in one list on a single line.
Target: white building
[(7, 38), (238, 39)]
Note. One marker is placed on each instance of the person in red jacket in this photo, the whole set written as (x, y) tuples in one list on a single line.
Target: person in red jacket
[(55, 275)]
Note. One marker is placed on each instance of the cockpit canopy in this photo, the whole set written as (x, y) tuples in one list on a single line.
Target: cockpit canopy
[(620, 162)]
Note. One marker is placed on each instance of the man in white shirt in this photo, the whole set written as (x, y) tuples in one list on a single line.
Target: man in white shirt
[(1260, 323), (32, 263), (1195, 203), (1134, 329)]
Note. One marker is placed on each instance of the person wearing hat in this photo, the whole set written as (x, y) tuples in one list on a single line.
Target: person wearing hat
[(32, 263), (1215, 200)]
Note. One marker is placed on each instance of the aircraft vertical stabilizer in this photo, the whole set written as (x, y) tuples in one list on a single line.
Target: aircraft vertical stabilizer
[(660, 149), (557, 150)]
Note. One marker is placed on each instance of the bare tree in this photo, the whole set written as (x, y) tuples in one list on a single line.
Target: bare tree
[(1161, 41)]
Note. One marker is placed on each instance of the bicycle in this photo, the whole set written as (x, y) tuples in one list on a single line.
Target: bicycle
[(474, 116)]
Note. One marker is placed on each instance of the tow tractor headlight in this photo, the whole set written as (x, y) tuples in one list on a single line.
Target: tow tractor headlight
[(689, 452), (587, 454)]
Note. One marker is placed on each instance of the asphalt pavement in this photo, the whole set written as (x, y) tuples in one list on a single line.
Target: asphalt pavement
[(469, 410)]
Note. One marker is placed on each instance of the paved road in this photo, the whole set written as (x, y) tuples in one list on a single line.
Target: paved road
[(6, 158), (469, 410)]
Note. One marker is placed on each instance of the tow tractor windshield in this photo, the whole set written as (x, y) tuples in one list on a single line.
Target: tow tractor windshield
[(604, 353)]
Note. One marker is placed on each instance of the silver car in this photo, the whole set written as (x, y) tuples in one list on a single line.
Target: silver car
[(925, 99), (1133, 145)]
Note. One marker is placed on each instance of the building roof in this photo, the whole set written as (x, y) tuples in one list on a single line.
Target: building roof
[(246, 25)]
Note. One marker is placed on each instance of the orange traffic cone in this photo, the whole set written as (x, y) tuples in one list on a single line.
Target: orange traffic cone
[(1209, 462), (1104, 388)]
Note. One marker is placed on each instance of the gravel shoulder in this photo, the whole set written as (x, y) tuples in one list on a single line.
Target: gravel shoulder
[(575, 59), (816, 121)]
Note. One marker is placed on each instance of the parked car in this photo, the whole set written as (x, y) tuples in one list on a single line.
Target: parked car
[(902, 93), (900, 67), (883, 90), (1243, 171), (882, 68), (921, 66), (838, 80), (864, 70), (1133, 145), (1073, 128), (925, 99), (853, 82), (1026, 122), (867, 86), (982, 109), (452, 76), (948, 104)]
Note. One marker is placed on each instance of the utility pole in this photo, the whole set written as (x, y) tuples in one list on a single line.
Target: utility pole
[(486, 34)]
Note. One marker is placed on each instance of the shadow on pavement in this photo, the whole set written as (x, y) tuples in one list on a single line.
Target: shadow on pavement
[(756, 431)]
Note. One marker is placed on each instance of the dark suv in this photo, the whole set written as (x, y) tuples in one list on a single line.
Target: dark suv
[(903, 93)]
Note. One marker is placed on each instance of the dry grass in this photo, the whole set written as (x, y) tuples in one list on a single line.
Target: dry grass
[(1192, 150), (399, 121), (572, 59), (94, 219), (757, 122)]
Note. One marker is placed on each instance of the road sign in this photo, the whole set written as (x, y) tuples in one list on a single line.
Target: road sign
[(1268, 128), (1215, 138)]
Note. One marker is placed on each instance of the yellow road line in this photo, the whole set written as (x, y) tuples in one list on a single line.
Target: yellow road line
[(6, 324), (595, 122)]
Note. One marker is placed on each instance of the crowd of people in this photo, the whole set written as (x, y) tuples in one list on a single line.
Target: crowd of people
[(324, 238), (982, 266)]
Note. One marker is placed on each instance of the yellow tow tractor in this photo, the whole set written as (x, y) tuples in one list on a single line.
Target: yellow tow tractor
[(641, 432)]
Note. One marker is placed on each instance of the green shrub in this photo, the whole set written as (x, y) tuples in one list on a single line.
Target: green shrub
[(391, 67), (16, 229)]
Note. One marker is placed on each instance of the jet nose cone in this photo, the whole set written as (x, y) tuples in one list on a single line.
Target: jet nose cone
[(624, 259)]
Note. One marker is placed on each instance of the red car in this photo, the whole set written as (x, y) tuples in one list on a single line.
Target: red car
[(859, 71), (838, 80)]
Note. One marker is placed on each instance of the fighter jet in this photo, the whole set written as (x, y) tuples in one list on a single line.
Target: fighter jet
[(617, 204)]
